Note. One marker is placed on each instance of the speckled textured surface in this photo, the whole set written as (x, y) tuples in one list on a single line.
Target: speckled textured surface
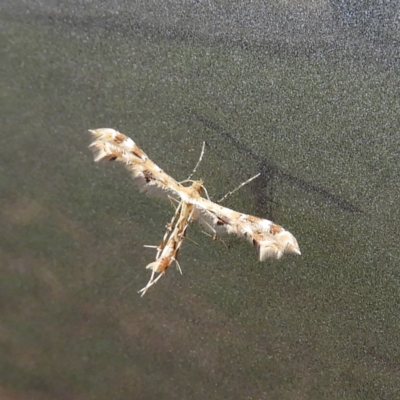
[(305, 93)]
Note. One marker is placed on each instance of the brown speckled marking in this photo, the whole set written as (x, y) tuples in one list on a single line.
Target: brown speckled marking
[(119, 138), (220, 222), (274, 229), (148, 176), (138, 152), (114, 155), (163, 264), (251, 219)]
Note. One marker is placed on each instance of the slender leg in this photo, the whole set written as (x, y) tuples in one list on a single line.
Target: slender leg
[(236, 189), (198, 162)]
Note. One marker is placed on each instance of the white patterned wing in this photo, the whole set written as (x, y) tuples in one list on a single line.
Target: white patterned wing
[(270, 240), (112, 145)]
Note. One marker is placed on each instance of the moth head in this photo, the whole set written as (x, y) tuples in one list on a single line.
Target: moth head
[(198, 186)]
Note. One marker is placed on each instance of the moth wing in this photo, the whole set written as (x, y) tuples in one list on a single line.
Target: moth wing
[(112, 145), (215, 222), (268, 249), (270, 240)]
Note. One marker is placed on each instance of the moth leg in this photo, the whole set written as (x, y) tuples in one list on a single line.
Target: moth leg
[(198, 162), (177, 265), (172, 200), (237, 188), (214, 236), (205, 191), (151, 283), (193, 241)]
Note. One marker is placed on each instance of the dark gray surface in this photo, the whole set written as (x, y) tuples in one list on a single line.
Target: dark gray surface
[(307, 93)]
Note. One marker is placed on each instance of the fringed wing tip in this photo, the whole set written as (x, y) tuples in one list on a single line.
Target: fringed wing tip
[(160, 265), (153, 266), (269, 250), (99, 153), (96, 146), (103, 131), (288, 242), (276, 246)]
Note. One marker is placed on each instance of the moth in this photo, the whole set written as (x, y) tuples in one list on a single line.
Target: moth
[(193, 204)]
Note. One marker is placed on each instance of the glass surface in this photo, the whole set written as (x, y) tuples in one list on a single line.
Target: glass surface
[(304, 92)]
